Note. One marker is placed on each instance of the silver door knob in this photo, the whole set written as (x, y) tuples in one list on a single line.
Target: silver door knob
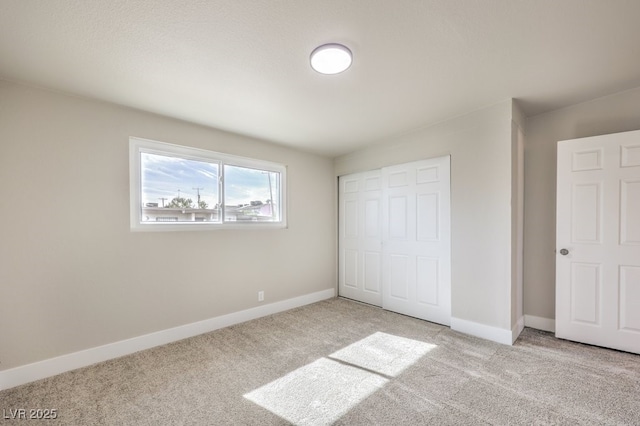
[(564, 252)]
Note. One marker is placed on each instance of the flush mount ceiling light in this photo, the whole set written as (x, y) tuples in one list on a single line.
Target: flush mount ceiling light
[(331, 58)]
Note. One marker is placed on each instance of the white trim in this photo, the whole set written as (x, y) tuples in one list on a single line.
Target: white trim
[(539, 323), (517, 329), (495, 334), (50, 367)]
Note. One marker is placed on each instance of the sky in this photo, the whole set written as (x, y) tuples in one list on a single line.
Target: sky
[(169, 177)]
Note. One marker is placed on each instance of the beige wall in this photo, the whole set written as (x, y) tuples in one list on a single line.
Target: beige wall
[(481, 178), (616, 113), (72, 274)]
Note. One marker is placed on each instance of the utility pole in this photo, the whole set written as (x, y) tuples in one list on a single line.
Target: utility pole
[(163, 200), (198, 189)]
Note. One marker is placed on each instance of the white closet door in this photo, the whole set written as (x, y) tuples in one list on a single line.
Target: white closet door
[(416, 266), (598, 241), (360, 237)]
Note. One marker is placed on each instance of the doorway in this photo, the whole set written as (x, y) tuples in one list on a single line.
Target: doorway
[(598, 241)]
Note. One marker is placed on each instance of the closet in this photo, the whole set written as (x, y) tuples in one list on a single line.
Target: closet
[(395, 238)]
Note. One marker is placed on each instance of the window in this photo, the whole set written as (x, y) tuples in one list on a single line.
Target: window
[(175, 188)]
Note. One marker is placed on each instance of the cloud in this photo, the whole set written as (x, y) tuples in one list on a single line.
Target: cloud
[(166, 177)]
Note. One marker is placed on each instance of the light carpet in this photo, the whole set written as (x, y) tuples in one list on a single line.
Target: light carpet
[(346, 363)]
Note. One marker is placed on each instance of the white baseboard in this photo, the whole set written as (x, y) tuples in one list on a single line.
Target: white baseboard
[(517, 329), (53, 366), (539, 323), (495, 334)]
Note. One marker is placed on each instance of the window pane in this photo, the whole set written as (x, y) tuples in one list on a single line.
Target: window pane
[(251, 195), (178, 190)]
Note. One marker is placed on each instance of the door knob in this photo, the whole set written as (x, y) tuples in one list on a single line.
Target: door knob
[(564, 252)]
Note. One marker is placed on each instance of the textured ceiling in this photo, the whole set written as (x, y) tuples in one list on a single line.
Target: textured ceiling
[(243, 65)]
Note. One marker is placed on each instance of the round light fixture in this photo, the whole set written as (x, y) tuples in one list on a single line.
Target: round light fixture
[(331, 58)]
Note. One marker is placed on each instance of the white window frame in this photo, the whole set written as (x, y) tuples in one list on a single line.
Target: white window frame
[(140, 145)]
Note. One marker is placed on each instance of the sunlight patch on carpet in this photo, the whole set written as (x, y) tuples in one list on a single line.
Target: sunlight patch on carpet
[(318, 393), (383, 353), (323, 391)]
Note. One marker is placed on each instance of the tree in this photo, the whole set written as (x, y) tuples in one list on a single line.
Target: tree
[(180, 203), (202, 204)]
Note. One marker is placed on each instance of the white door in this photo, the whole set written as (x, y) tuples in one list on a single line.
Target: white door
[(598, 241), (416, 271), (360, 237)]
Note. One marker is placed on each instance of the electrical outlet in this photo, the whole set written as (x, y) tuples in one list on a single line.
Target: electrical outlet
[(260, 296)]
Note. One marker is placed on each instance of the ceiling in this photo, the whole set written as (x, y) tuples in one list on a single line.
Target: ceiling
[(243, 65)]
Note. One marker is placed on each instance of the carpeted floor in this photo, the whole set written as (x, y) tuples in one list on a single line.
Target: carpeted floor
[(341, 362)]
